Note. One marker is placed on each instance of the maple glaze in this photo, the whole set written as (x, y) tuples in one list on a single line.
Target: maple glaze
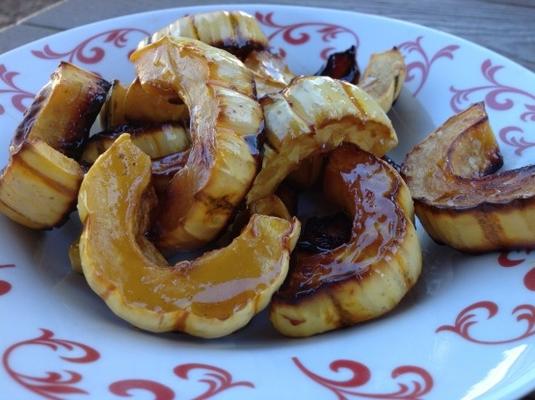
[(367, 189)]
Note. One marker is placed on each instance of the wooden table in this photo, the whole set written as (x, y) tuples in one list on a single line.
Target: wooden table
[(508, 28)]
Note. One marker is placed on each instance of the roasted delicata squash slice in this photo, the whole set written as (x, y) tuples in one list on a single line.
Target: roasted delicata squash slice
[(157, 140), (225, 123), (301, 121), (38, 187), (460, 198), (271, 74), (234, 31), (365, 277), (132, 104), (384, 76), (211, 296)]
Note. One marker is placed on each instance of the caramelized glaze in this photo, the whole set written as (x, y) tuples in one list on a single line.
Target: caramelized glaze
[(116, 256), (367, 189), (342, 65)]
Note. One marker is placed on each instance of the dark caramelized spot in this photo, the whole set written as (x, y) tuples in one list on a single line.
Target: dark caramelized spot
[(342, 65), (325, 233), (240, 47), (164, 168), (367, 189)]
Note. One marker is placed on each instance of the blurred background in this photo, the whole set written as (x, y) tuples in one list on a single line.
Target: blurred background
[(507, 27)]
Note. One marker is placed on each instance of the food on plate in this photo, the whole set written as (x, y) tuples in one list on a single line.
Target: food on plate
[(300, 121), (132, 104), (271, 74), (225, 123), (157, 140), (208, 149), (384, 76), (235, 31), (38, 187), (460, 198), (342, 65), (211, 296), (365, 277), (270, 205)]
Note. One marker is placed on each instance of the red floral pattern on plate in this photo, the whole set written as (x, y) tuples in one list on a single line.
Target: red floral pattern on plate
[(18, 95), (53, 385), (499, 97), (90, 51), (421, 384), (423, 61), (5, 286), (467, 318), (505, 260), (217, 379), (296, 34)]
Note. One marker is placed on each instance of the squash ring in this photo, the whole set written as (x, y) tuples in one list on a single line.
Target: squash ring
[(209, 297), (225, 120)]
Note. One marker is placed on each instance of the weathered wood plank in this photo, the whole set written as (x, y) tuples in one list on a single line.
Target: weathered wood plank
[(21, 34)]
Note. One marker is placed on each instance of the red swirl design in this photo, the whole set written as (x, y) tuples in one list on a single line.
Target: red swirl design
[(87, 51), (18, 95), (495, 92), (421, 67), (217, 379), (467, 318), (4, 285), (126, 387), (500, 97), (505, 260), (513, 136), (296, 34), (53, 385), (421, 384)]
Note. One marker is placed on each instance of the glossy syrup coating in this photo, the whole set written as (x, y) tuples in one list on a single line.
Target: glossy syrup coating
[(210, 296), (368, 275)]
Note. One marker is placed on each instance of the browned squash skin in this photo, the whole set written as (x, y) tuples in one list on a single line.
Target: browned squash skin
[(234, 31), (460, 198)]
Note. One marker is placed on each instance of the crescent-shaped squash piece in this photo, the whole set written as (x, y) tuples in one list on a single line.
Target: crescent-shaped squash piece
[(211, 296), (225, 122), (365, 277), (460, 198), (234, 31), (315, 115), (38, 187)]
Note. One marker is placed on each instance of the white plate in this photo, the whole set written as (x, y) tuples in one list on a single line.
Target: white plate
[(466, 331)]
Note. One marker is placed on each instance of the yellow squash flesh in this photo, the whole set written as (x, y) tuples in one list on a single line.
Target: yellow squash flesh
[(132, 104), (210, 296), (384, 76), (156, 140)]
